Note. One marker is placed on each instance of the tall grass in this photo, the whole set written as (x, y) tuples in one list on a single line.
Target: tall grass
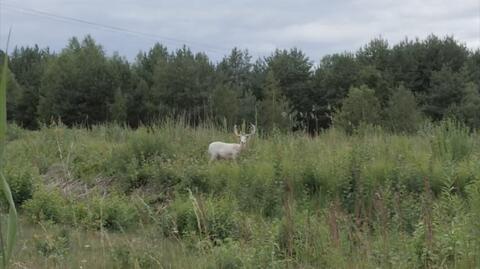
[(147, 197), (11, 230)]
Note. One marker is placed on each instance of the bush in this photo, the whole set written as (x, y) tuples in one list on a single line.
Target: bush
[(114, 212), (140, 160), (227, 255), (124, 256), (55, 245), (179, 219), (45, 205), (195, 178), (402, 113), (14, 132), (360, 106), (195, 216), (21, 181), (90, 159), (144, 145), (450, 140), (221, 218)]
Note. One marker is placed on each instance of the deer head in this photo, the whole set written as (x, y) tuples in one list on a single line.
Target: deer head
[(244, 137)]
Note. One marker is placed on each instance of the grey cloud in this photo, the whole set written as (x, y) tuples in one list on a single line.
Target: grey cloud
[(216, 26)]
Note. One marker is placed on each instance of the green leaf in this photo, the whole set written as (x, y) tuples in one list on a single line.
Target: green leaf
[(3, 106), (7, 248), (12, 222)]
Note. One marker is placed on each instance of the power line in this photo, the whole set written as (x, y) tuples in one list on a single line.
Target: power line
[(68, 19)]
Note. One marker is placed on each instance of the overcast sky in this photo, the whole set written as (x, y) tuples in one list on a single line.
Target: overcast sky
[(216, 26)]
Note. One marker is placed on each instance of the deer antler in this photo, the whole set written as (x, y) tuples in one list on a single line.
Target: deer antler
[(253, 129), (235, 131)]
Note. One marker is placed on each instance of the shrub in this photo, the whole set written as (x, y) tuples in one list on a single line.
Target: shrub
[(14, 132), (45, 205), (54, 244), (196, 179), (221, 218), (451, 140), (21, 179), (227, 255), (360, 106), (180, 218), (212, 218), (140, 160), (402, 113), (114, 212), (124, 256), (90, 159), (144, 145)]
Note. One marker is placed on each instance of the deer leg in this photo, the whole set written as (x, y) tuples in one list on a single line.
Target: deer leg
[(212, 158)]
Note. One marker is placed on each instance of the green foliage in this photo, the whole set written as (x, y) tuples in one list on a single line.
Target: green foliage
[(14, 132), (225, 103), (468, 111), (227, 256), (10, 233), (81, 84), (473, 191), (118, 109), (374, 199), (235, 68), (12, 88), (336, 74), (124, 256), (146, 196), (65, 92), (141, 106), (293, 70), (180, 220), (52, 245), (207, 218), (29, 65), (114, 212), (447, 89), (182, 82), (450, 140), (21, 181), (45, 205), (402, 113), (375, 53), (274, 108), (360, 106), (141, 160), (248, 107)]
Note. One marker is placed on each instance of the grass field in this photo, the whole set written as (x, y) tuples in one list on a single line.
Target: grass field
[(113, 197)]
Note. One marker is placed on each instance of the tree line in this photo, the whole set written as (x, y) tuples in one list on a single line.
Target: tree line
[(395, 86)]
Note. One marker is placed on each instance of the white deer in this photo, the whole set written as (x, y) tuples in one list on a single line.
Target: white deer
[(221, 150)]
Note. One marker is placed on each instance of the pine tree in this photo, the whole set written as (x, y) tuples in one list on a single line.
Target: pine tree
[(118, 109), (447, 89), (78, 85), (274, 108), (225, 103), (402, 113), (360, 106)]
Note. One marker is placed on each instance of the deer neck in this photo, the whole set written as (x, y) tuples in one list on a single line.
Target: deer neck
[(241, 146)]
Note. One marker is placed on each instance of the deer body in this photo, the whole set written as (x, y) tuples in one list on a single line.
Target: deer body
[(229, 151), (220, 150)]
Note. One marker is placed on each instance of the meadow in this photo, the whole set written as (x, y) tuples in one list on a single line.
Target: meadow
[(109, 196)]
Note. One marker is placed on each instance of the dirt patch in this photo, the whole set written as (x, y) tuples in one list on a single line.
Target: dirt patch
[(59, 177)]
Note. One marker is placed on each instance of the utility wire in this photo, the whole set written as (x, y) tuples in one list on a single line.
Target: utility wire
[(68, 19)]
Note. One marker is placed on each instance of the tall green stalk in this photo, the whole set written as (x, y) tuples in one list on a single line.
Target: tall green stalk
[(11, 231)]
